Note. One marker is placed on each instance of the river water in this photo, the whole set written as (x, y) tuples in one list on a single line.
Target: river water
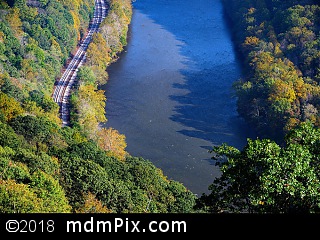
[(170, 93)]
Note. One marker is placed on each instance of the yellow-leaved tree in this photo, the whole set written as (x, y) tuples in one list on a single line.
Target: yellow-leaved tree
[(91, 108), (9, 107), (113, 142), (92, 205)]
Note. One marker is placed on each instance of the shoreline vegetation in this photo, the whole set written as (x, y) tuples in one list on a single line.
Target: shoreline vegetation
[(279, 45), (80, 169), (46, 168), (279, 96)]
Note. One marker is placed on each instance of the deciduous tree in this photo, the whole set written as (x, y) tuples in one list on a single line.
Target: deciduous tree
[(267, 178)]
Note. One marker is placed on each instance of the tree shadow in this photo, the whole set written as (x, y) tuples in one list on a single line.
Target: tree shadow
[(208, 109)]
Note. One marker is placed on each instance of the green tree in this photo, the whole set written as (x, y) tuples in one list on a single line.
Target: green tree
[(35, 162), (9, 138), (267, 178), (86, 75), (37, 131), (50, 191), (10, 169), (18, 198)]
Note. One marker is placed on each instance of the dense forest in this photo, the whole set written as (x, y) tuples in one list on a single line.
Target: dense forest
[(84, 168), (280, 46), (278, 95)]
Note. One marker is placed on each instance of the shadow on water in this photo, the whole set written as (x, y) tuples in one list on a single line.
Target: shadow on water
[(208, 109), (171, 92)]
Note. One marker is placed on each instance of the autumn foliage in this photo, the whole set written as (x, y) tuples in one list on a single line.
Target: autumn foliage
[(279, 43), (82, 168)]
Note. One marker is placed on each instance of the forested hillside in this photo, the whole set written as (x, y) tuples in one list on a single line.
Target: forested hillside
[(82, 168), (280, 45), (279, 96)]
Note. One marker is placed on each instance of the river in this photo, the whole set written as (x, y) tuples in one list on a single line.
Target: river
[(170, 93)]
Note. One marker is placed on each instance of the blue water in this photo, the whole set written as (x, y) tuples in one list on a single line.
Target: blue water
[(170, 93)]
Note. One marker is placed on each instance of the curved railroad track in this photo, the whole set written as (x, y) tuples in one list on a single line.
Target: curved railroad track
[(61, 92)]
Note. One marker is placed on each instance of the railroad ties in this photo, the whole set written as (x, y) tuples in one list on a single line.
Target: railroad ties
[(61, 93)]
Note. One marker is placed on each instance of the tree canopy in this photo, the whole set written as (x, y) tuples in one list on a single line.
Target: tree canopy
[(267, 178), (47, 168), (85, 168)]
